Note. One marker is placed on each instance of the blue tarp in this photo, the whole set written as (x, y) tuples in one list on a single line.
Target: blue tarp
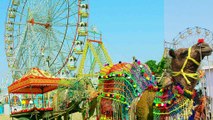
[(1, 109)]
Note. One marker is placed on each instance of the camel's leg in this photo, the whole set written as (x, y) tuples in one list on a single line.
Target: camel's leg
[(144, 106)]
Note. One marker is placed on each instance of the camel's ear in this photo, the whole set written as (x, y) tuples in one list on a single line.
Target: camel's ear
[(172, 53)]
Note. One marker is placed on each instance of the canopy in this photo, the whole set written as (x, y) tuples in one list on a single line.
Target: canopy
[(34, 82)]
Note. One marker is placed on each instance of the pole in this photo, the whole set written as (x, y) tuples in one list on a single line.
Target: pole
[(42, 90)]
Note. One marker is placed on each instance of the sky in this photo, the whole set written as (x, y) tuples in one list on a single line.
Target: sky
[(129, 29), (3, 62), (135, 28), (181, 14)]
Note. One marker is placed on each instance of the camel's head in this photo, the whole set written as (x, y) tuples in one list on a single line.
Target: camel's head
[(185, 62)]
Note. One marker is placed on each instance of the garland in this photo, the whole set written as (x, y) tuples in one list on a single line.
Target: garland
[(129, 80), (172, 105)]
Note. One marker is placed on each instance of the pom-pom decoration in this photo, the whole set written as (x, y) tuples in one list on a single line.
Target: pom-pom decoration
[(200, 41)]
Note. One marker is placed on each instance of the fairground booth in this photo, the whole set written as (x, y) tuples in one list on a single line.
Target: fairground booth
[(32, 87)]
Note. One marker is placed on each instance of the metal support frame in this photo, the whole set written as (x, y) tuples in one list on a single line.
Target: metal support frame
[(97, 60)]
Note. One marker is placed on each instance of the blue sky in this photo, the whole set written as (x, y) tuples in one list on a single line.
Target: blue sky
[(180, 14), (3, 63), (135, 28), (129, 28)]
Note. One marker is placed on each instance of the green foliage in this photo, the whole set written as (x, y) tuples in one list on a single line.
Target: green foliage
[(152, 65), (159, 67)]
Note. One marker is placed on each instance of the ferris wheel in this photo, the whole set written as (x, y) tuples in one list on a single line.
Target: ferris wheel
[(47, 34), (4, 84), (190, 36)]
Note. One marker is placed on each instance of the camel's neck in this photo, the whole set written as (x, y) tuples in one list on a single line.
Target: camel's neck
[(188, 78), (183, 91)]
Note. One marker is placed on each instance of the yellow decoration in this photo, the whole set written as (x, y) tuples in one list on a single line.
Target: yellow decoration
[(187, 91), (187, 101), (201, 73), (185, 75), (23, 102), (147, 78), (178, 95)]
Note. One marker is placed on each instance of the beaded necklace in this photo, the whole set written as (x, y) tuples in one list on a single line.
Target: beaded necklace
[(168, 104)]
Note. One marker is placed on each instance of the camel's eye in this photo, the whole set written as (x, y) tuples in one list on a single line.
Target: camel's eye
[(199, 44), (184, 54), (202, 45)]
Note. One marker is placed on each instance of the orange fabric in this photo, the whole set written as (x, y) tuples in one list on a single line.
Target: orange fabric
[(33, 81)]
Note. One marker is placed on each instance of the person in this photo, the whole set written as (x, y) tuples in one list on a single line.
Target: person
[(1, 108), (31, 103)]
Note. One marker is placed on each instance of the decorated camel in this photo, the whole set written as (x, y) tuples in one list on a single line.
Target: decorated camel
[(121, 85), (75, 96), (175, 101)]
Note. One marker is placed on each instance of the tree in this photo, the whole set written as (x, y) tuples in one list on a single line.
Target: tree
[(152, 65), (158, 68)]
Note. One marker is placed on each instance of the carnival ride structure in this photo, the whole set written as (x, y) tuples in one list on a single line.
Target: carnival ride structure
[(53, 36)]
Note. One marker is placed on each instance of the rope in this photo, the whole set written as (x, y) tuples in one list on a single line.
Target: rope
[(186, 75), (209, 86)]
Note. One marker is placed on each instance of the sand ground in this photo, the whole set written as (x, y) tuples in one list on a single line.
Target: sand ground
[(5, 117)]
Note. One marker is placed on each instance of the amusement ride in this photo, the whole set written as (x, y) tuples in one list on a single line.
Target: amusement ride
[(51, 38)]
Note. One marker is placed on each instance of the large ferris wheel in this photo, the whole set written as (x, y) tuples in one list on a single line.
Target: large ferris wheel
[(48, 34)]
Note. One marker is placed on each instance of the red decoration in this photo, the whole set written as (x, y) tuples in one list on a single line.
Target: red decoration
[(118, 96), (200, 40), (150, 87), (49, 109), (194, 94), (145, 75)]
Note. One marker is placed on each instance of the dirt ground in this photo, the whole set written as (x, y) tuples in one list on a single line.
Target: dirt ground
[(77, 116), (5, 117)]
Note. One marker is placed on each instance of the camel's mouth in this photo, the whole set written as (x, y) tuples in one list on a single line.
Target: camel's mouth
[(207, 52)]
